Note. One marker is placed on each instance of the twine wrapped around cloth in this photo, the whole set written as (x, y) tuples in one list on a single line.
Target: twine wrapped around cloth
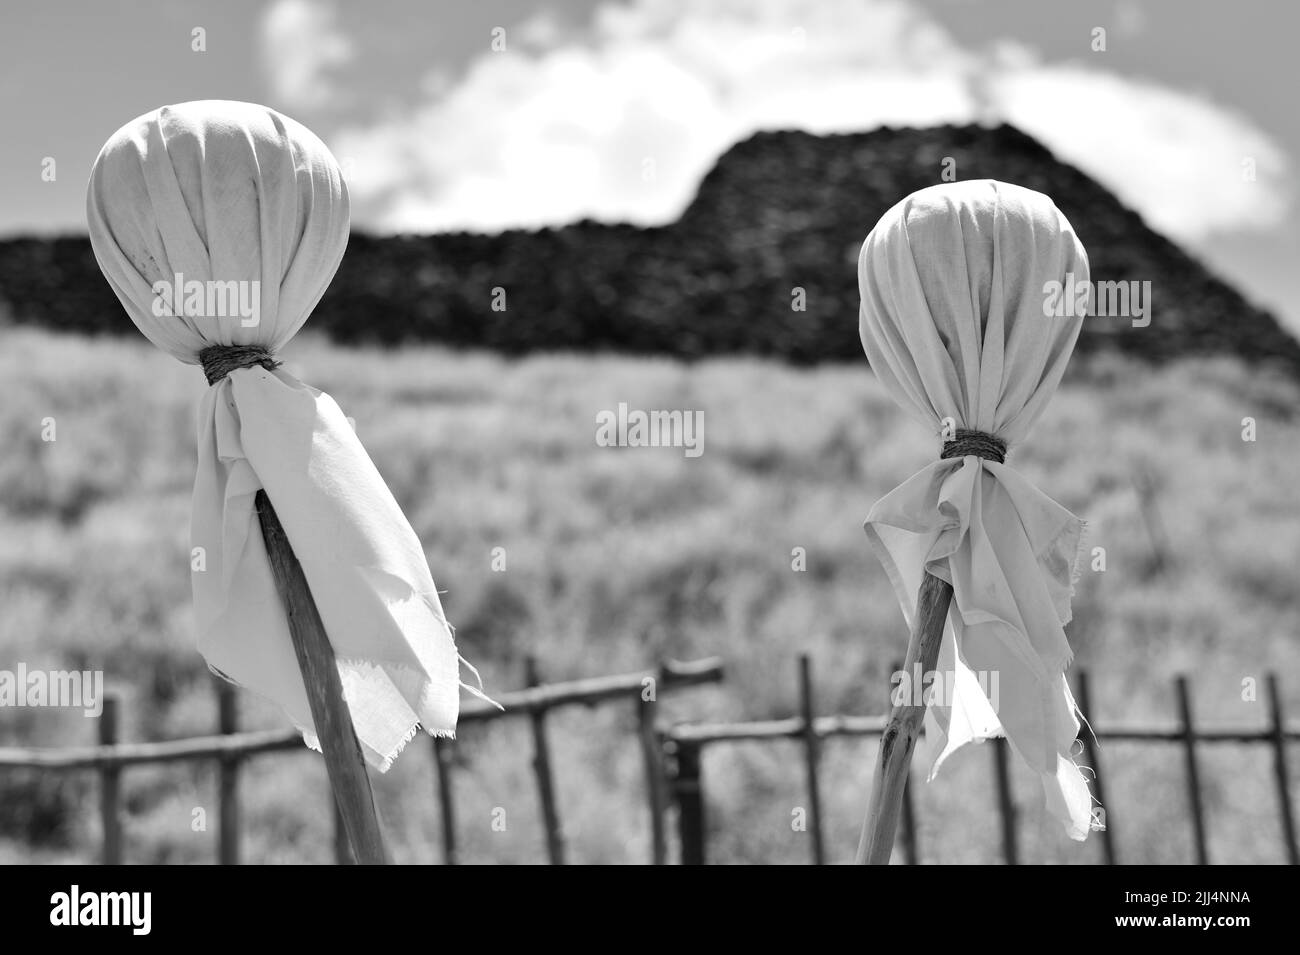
[(236, 198), (218, 361), (952, 321)]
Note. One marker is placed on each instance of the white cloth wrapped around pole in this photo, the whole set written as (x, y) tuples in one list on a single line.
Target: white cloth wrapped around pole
[(953, 281), (222, 223)]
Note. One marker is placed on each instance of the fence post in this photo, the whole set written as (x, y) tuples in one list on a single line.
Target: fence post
[(1280, 769), (688, 792), (1006, 805), (654, 776), (227, 778), (1091, 753), (110, 785), (1193, 773), (810, 759), (442, 762), (542, 766)]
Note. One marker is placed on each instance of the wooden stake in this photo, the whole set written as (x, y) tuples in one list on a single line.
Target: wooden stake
[(329, 711), (1193, 771), (688, 789), (542, 768), (342, 850), (1093, 756), (651, 756), (1278, 732), (227, 779), (904, 726), (110, 786), (911, 851), (811, 754)]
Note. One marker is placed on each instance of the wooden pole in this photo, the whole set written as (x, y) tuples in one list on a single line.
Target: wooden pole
[(110, 786), (911, 846), (542, 767), (344, 762), (904, 726), (1094, 760), (1280, 769), (1193, 772), (810, 759), (342, 851), (447, 809), (227, 778)]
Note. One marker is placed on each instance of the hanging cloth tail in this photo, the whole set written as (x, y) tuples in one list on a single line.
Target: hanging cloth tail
[(368, 575), (476, 691), (1009, 552)]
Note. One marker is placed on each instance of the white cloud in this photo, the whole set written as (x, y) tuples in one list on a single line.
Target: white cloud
[(301, 46), (622, 123), (1175, 157), (621, 120)]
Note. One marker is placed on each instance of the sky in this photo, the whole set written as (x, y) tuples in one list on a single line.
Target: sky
[(493, 114)]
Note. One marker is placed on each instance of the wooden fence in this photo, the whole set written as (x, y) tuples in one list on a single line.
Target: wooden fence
[(684, 745), (231, 748), (673, 761)]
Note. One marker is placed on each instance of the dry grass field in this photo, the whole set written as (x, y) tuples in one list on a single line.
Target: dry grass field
[(619, 557)]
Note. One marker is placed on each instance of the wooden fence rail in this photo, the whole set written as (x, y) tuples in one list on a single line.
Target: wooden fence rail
[(685, 744), (231, 748)]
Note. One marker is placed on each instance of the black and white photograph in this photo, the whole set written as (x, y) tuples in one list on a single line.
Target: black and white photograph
[(650, 432)]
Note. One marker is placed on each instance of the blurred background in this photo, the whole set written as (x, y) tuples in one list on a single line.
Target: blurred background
[(655, 185)]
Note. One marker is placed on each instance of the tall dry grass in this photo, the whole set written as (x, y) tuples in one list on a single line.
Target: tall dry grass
[(617, 558)]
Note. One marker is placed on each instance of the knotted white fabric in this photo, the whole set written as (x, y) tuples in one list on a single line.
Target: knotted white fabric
[(222, 223), (953, 322)]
